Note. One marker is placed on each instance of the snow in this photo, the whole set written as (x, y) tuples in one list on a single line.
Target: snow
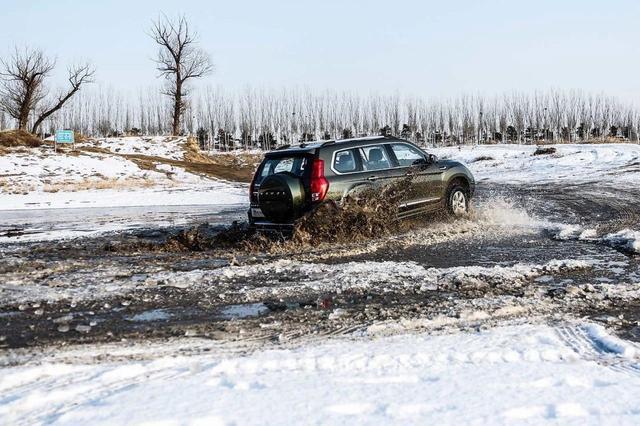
[(569, 374), (208, 193), (516, 164), (626, 239)]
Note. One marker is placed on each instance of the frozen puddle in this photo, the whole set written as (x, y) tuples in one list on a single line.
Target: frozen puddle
[(534, 373), (153, 315), (243, 311)]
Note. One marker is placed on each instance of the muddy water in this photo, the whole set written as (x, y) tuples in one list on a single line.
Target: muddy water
[(201, 279)]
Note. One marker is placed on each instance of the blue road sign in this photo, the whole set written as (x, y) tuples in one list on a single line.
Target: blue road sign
[(64, 136)]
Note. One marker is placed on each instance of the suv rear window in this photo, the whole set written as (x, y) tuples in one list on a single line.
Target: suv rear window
[(275, 165)]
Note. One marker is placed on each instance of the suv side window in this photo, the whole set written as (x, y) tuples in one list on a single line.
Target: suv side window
[(406, 154), (374, 158), (345, 162)]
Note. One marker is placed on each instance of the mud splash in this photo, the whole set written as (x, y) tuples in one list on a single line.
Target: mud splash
[(369, 215), (368, 218)]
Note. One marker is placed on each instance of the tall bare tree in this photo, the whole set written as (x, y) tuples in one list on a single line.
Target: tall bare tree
[(179, 59)]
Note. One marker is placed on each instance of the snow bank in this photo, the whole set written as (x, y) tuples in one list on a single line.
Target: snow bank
[(613, 344), (532, 373), (363, 276), (571, 163), (626, 239), (302, 278)]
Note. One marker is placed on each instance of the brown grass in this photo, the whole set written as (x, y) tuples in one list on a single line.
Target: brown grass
[(89, 184), (11, 138), (229, 166)]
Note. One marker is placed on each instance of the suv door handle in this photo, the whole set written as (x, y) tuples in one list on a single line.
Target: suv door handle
[(372, 178)]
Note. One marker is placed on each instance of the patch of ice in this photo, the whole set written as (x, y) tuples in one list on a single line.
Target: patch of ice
[(153, 315), (243, 311)]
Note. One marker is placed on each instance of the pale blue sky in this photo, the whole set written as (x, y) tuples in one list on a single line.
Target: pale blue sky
[(422, 48)]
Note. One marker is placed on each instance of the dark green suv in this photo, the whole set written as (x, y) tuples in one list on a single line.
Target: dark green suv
[(293, 180)]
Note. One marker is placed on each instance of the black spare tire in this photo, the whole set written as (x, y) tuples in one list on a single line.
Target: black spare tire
[(281, 197)]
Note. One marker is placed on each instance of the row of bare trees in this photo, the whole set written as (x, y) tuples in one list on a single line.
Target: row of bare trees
[(266, 118)]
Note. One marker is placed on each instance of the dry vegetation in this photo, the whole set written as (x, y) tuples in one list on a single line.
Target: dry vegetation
[(235, 167), (19, 138), (229, 166), (89, 184)]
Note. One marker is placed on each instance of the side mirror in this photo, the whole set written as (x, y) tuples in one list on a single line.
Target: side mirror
[(420, 162), (431, 159)]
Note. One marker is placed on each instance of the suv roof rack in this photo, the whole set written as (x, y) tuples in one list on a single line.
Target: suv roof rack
[(327, 143)]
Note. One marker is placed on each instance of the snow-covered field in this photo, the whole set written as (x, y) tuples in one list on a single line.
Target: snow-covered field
[(517, 164), (40, 178), (158, 146), (571, 374)]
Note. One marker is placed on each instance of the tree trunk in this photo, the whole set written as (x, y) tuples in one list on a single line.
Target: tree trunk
[(177, 107), (23, 119)]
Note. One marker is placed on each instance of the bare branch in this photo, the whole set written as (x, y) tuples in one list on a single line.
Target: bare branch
[(78, 75)]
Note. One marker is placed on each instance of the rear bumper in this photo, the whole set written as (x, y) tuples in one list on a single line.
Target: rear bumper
[(261, 224), (273, 227)]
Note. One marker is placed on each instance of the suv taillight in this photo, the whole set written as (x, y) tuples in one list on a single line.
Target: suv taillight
[(319, 184)]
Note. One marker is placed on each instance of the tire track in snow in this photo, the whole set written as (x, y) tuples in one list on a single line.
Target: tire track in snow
[(578, 339)]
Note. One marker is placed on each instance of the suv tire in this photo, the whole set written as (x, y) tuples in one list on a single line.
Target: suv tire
[(457, 201)]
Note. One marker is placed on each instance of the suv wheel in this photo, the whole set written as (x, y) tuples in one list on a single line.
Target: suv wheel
[(457, 201)]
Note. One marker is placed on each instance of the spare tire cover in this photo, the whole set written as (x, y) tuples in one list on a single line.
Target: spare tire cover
[(281, 197)]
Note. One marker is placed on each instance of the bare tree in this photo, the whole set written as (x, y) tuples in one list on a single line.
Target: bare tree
[(23, 76), (23, 89), (179, 60)]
